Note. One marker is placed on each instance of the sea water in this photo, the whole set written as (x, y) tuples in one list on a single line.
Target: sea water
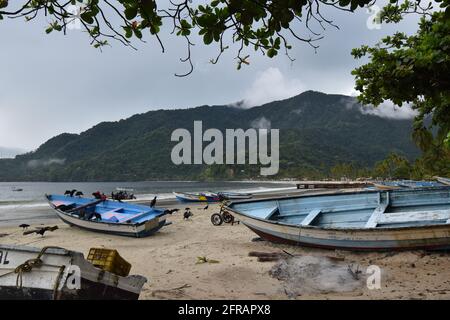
[(29, 204)]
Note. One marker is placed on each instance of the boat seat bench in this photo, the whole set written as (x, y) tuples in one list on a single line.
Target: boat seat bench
[(310, 217), (120, 217), (402, 217), (376, 215)]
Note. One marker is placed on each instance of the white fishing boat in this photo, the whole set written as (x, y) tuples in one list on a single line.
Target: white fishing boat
[(417, 218), (53, 273)]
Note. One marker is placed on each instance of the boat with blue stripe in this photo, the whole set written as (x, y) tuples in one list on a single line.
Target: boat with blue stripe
[(108, 216), (412, 218)]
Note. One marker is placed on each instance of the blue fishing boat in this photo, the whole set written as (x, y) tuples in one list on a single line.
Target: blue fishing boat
[(197, 197), (365, 220), (108, 216)]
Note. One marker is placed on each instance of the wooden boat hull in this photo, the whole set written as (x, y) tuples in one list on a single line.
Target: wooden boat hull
[(53, 278), (437, 237), (396, 230), (139, 231)]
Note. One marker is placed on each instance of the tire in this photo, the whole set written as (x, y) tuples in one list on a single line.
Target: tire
[(216, 219), (227, 217)]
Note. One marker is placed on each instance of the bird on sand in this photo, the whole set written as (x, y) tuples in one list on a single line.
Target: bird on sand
[(24, 226), (187, 214), (41, 231), (170, 211), (152, 204), (206, 208)]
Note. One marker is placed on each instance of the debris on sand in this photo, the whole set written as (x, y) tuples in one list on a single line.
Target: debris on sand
[(201, 260), (310, 274), (268, 256), (173, 293)]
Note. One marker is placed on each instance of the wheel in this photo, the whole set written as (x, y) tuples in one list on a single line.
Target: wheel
[(216, 219), (227, 217)]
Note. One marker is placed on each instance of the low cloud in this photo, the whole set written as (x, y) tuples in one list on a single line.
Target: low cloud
[(44, 162), (261, 123), (271, 85), (385, 110)]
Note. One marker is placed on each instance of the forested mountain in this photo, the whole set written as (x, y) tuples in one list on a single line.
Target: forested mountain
[(317, 131)]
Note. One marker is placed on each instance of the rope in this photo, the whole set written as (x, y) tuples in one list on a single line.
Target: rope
[(28, 265)]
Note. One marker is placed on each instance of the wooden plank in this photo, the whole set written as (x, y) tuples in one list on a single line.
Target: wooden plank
[(376, 215), (404, 217), (310, 217)]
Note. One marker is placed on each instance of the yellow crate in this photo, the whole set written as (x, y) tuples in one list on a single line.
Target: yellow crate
[(109, 260)]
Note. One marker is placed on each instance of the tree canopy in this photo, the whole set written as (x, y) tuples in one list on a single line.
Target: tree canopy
[(412, 70), (262, 25)]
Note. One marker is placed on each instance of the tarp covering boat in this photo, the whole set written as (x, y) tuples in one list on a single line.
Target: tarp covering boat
[(365, 220)]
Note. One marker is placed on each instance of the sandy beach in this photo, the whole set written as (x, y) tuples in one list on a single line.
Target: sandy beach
[(169, 260)]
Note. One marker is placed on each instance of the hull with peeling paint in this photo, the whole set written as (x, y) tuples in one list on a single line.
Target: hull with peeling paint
[(366, 220), (60, 274)]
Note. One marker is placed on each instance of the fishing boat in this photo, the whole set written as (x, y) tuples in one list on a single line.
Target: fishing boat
[(443, 180), (53, 273), (16, 189), (197, 197), (235, 195), (108, 216), (359, 220), (391, 185)]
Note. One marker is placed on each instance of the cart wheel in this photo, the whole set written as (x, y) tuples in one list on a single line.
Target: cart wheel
[(227, 217), (216, 219)]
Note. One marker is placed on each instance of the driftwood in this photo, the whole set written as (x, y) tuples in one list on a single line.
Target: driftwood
[(269, 256)]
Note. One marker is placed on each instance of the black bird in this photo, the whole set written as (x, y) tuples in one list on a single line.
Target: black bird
[(41, 231), (67, 193), (205, 208), (79, 194), (170, 211), (72, 192), (187, 214), (152, 204), (24, 226)]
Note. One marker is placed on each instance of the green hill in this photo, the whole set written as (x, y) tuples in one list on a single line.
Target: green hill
[(317, 131)]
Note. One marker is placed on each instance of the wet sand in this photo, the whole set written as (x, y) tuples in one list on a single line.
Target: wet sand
[(169, 261)]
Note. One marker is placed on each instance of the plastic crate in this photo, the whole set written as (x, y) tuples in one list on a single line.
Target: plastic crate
[(109, 260)]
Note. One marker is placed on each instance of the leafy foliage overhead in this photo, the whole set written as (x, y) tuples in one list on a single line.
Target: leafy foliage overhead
[(259, 24), (412, 69)]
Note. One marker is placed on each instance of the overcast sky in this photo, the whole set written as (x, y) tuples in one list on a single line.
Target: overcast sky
[(51, 84)]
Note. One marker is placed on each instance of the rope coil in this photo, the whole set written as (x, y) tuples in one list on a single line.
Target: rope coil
[(28, 265)]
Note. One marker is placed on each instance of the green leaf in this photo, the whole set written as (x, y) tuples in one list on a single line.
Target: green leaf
[(131, 13)]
